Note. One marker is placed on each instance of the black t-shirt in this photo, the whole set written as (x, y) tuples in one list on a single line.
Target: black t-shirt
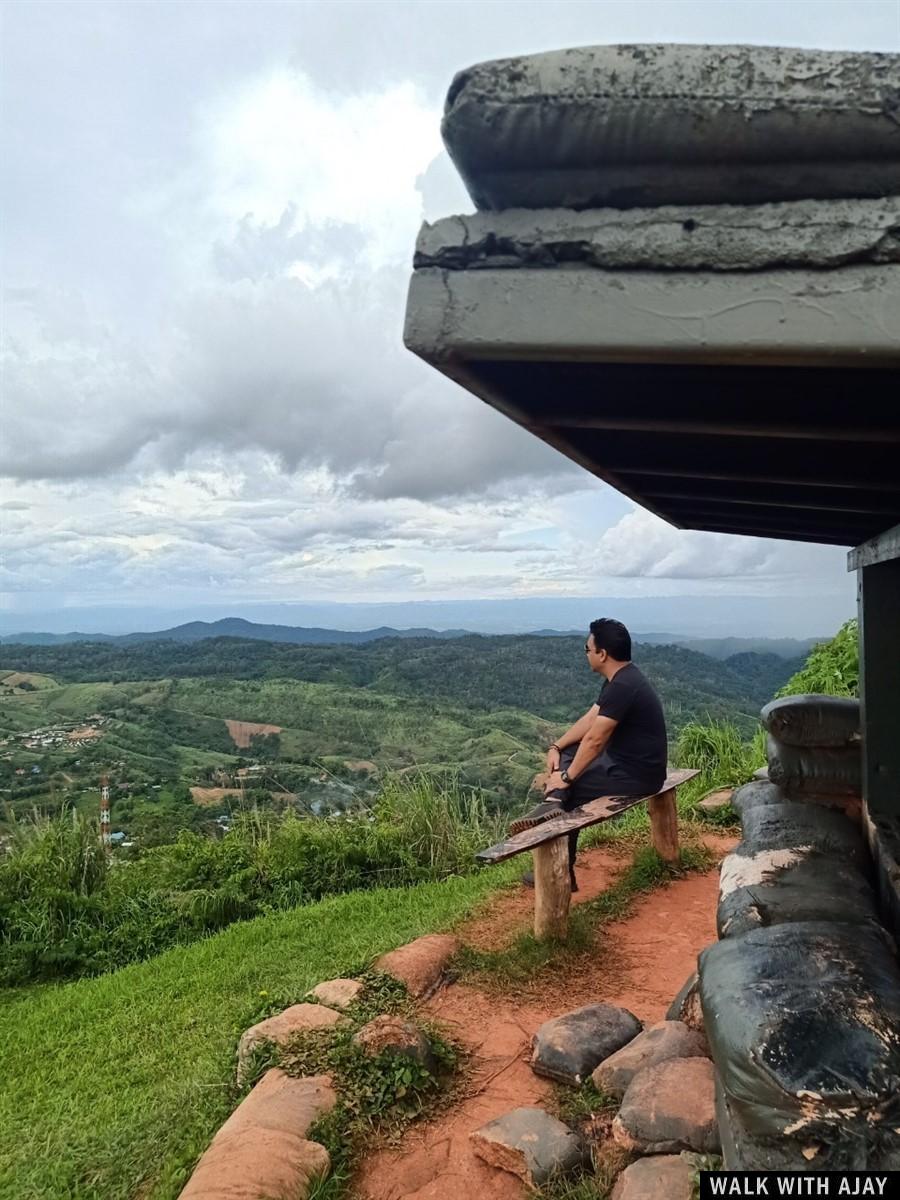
[(638, 744)]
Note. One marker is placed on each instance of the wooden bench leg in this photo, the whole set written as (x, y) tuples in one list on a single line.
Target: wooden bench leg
[(664, 825), (552, 889)]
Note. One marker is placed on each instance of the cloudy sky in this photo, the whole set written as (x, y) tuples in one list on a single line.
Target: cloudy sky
[(208, 212)]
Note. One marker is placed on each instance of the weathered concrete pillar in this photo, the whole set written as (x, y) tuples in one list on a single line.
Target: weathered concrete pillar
[(877, 564)]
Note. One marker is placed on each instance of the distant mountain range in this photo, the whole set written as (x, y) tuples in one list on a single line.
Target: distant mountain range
[(197, 631), (810, 614), (237, 627)]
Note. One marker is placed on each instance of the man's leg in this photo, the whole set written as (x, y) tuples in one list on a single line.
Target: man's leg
[(593, 782), (581, 791)]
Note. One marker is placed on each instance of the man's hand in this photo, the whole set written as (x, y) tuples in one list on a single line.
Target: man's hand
[(552, 759), (555, 783)]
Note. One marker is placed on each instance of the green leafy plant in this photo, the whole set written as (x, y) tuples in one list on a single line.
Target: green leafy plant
[(378, 1096), (702, 1162), (832, 668)]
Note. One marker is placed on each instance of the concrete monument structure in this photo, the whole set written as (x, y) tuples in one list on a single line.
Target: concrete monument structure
[(684, 274)]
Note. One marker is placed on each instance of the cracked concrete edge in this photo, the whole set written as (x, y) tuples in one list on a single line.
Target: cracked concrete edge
[(807, 233), (777, 317), (770, 75)]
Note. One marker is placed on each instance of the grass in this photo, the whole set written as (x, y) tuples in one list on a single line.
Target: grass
[(590, 1112), (59, 923), (113, 1086), (100, 1071), (720, 754)]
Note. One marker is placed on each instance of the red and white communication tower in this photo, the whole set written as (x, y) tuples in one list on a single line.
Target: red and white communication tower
[(104, 811)]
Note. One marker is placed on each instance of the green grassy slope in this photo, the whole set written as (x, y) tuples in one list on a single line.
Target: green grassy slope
[(112, 1086)]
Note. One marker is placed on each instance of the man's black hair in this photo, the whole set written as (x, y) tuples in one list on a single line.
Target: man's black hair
[(612, 636)]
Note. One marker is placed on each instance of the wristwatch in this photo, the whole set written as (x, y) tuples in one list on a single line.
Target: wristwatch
[(564, 776)]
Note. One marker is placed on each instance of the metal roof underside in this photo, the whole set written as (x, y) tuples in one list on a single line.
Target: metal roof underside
[(798, 452)]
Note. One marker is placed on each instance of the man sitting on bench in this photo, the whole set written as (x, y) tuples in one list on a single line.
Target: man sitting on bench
[(618, 748)]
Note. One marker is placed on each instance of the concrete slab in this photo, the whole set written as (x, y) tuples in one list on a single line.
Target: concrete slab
[(758, 401), (806, 233), (782, 317)]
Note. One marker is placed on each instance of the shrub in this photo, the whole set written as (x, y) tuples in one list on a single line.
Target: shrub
[(832, 668), (67, 910)]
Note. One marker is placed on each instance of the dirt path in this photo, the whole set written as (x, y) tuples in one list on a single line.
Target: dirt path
[(639, 962)]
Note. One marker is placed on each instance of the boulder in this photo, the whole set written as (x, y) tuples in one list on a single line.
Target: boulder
[(393, 1035), (670, 1107), (757, 791), (686, 1005), (420, 965), (568, 1048), (661, 1177), (261, 1149), (668, 1039), (282, 1028), (716, 801), (282, 1104), (531, 1144), (337, 993)]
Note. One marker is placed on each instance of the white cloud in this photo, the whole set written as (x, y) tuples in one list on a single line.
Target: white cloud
[(294, 226), (349, 158), (641, 545), (204, 384)]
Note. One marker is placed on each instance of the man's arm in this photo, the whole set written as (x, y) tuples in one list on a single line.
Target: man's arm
[(598, 732), (593, 743), (580, 729), (572, 735)]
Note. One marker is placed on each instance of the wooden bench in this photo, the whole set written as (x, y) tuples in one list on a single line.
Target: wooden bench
[(549, 843)]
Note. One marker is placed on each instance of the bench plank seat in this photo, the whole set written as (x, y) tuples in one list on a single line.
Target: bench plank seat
[(604, 808)]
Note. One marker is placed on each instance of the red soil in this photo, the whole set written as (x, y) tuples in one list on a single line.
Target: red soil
[(212, 795), (242, 731), (639, 963)]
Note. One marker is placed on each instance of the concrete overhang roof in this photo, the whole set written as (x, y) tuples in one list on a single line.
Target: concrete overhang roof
[(676, 283), (748, 384)]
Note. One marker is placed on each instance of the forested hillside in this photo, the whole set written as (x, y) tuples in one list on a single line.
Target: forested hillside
[(321, 725), (546, 676), (412, 752)]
